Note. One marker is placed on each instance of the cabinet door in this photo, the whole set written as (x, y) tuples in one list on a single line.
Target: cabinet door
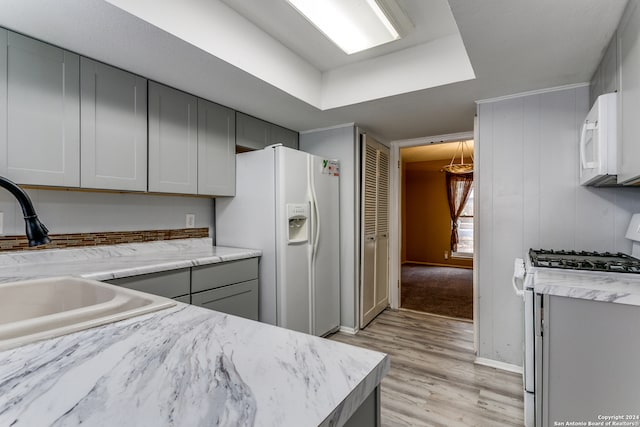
[(595, 86), (240, 299), (113, 128), (173, 140), (42, 145), (252, 133), (286, 137), (216, 149), (629, 49), (609, 66)]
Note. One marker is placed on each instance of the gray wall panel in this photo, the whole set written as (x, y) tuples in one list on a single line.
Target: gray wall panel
[(529, 196)]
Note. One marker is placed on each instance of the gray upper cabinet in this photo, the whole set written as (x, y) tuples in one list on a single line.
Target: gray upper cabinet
[(609, 66), (255, 134), (629, 57), (216, 149), (41, 142), (251, 133), (173, 140), (286, 137), (605, 78), (113, 128)]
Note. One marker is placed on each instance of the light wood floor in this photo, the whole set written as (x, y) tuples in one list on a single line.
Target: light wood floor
[(433, 380)]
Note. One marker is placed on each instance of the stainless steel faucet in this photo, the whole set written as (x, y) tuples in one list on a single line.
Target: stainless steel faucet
[(36, 231)]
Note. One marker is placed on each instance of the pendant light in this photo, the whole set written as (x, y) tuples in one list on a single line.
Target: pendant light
[(462, 167)]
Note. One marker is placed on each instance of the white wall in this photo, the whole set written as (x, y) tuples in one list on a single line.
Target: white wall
[(75, 211), (342, 143), (528, 196)]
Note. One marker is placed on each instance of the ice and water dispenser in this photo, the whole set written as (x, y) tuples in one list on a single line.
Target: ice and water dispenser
[(298, 218)]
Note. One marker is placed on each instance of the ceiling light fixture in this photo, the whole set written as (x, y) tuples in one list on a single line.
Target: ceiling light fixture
[(356, 25)]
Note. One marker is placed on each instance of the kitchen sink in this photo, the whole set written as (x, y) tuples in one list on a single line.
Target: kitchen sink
[(33, 310)]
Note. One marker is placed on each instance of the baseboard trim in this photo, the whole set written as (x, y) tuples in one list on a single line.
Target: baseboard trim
[(498, 365), (348, 330), (457, 319), (434, 264)]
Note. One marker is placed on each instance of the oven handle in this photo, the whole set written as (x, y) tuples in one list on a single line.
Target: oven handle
[(518, 274)]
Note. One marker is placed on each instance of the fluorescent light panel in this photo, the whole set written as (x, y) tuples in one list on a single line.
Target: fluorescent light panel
[(353, 25)]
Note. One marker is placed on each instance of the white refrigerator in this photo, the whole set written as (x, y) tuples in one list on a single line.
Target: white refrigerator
[(287, 205)]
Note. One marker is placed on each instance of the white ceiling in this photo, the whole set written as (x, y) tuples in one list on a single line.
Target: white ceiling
[(267, 63), (431, 20), (441, 151)]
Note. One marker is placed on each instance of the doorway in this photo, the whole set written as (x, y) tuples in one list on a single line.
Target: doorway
[(434, 274)]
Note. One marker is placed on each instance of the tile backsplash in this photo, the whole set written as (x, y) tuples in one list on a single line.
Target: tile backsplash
[(70, 240)]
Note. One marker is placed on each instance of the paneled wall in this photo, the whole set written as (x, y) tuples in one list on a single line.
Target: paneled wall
[(528, 197), (426, 223), (79, 211)]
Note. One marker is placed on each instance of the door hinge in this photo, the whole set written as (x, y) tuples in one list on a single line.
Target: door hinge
[(398, 164)]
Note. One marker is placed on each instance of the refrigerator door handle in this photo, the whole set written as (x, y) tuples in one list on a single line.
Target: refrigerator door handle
[(315, 235), (315, 212)]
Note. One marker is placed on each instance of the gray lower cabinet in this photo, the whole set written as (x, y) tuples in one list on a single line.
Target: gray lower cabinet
[(113, 128), (170, 284), (40, 141), (240, 299), (368, 413), (229, 287), (184, 298)]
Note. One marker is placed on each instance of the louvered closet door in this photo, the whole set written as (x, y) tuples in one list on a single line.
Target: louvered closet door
[(374, 292)]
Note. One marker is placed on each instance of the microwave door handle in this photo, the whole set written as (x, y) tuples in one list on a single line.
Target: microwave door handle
[(583, 145)]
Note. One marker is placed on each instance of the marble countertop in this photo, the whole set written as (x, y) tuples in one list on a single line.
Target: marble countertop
[(620, 288), (186, 366), (116, 261)]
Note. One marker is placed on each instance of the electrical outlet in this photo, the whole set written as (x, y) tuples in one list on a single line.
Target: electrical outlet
[(190, 221), (1, 223), (446, 254)]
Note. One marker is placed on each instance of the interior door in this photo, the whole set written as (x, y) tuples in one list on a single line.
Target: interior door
[(374, 286)]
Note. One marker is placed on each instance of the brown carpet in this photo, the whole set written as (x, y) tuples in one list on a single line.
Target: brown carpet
[(446, 291)]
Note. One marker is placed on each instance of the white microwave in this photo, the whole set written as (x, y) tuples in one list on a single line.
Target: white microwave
[(598, 143)]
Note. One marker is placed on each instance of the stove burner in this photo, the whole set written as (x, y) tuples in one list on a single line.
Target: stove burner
[(585, 260)]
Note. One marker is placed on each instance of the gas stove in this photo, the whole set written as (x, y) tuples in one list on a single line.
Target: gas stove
[(585, 260)]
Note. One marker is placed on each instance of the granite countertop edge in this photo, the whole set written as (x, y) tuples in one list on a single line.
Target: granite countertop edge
[(117, 261), (617, 288)]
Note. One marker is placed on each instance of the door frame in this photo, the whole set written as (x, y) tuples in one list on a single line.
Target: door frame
[(395, 223)]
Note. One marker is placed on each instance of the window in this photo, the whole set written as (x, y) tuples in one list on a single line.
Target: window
[(465, 229)]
